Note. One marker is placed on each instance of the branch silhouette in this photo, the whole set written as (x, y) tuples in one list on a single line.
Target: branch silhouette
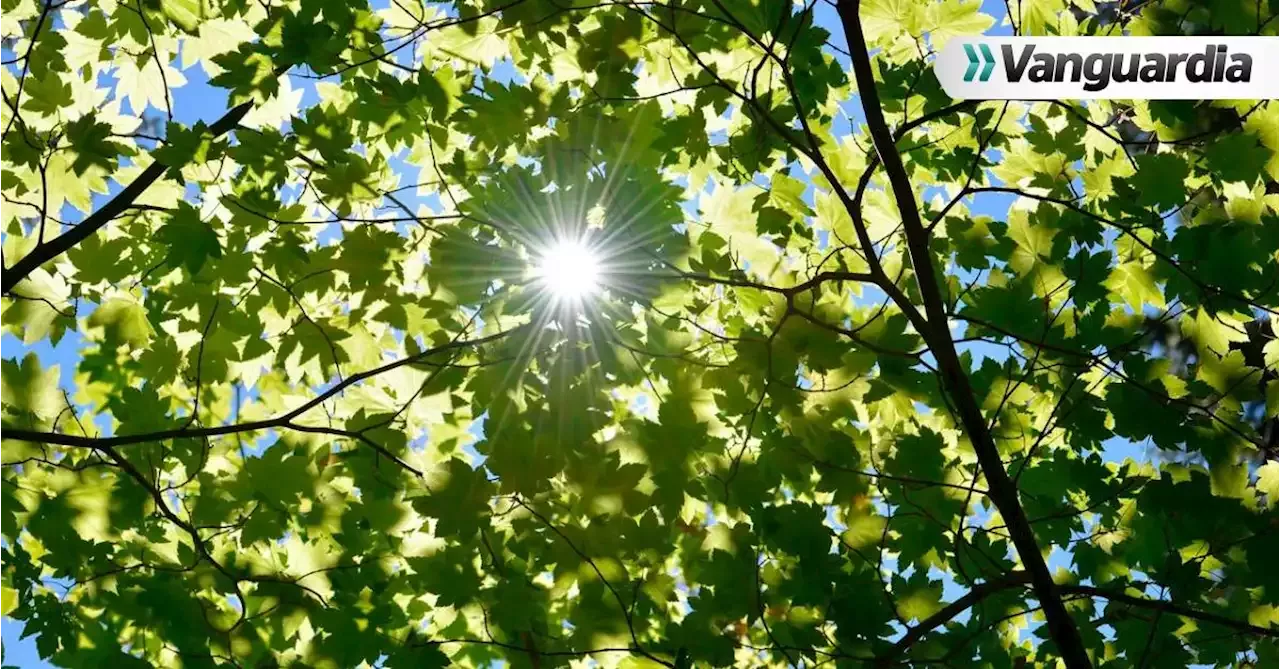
[(1001, 489)]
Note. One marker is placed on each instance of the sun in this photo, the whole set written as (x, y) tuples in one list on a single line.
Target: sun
[(569, 270)]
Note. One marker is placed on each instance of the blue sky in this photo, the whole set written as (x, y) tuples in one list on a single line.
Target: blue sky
[(197, 101)]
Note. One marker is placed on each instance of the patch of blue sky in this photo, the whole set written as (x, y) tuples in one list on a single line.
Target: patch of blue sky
[(259, 445), (504, 72), (802, 380), (418, 443), (65, 354), (642, 406), (823, 240), (869, 296), (994, 204), (476, 433), (330, 235)]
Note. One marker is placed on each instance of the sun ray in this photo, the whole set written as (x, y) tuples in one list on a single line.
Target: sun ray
[(569, 269)]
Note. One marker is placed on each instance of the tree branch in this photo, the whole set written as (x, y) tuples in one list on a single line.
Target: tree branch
[(1128, 232), (1173, 608), (55, 247), (1020, 578), (976, 594), (1002, 491), (284, 420)]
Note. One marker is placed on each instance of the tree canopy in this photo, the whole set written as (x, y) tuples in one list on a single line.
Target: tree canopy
[(869, 376)]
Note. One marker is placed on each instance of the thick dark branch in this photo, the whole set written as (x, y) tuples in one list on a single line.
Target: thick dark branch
[(865, 179), (1002, 491), (811, 149), (55, 247)]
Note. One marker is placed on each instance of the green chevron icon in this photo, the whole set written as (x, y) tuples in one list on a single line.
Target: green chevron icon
[(988, 60)]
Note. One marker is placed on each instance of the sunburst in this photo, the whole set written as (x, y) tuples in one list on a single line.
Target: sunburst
[(569, 270)]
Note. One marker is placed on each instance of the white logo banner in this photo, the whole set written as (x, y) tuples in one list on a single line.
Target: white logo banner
[(1095, 68)]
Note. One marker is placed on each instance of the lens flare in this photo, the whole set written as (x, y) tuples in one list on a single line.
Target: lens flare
[(569, 270)]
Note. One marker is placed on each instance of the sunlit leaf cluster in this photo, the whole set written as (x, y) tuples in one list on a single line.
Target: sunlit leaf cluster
[(302, 367)]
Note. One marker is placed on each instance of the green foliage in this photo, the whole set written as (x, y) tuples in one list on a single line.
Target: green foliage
[(323, 409)]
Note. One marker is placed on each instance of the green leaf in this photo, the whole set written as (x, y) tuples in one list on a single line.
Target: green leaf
[(187, 14), (424, 657), (1160, 180), (1133, 283), (917, 597), (1237, 157), (457, 497), (1269, 482), (123, 321), (46, 94), (956, 18), (185, 145), (8, 600), (31, 391), (192, 241), (90, 140)]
